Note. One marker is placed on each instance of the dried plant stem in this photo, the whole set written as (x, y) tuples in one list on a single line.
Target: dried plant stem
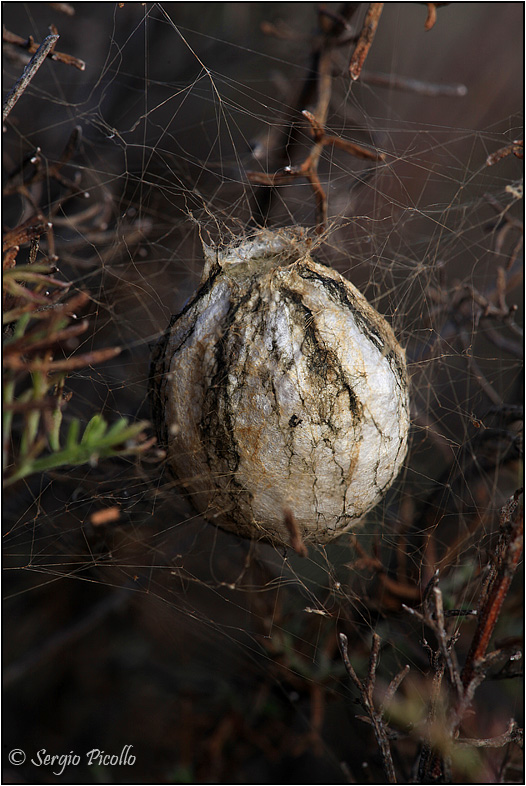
[(516, 147), (45, 48), (32, 47), (512, 734), (366, 699), (508, 557), (319, 79), (365, 40), (434, 761), (70, 364)]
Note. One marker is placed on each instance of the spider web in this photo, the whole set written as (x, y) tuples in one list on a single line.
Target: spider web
[(218, 656)]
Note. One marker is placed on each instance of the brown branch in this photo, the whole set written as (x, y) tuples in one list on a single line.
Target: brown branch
[(366, 700), (432, 14), (280, 30), (516, 147), (284, 135), (512, 734), (20, 86), (63, 8), (69, 364), (105, 515), (9, 260), (365, 40), (509, 552), (32, 47), (35, 226), (398, 589), (309, 167)]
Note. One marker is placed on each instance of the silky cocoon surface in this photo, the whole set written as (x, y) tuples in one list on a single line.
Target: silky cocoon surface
[(279, 391)]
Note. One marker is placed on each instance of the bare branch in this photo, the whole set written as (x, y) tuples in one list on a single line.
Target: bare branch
[(509, 552), (18, 89), (366, 699), (365, 40), (32, 47)]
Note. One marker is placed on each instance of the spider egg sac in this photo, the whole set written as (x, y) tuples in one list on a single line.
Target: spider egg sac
[(280, 393)]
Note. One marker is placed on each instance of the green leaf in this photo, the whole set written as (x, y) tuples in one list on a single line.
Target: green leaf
[(98, 441)]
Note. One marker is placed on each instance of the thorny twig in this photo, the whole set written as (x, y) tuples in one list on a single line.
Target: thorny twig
[(45, 48)]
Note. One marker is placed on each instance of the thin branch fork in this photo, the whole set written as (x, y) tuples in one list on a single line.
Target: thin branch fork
[(434, 617), (332, 26), (366, 689), (16, 182), (309, 168), (512, 734)]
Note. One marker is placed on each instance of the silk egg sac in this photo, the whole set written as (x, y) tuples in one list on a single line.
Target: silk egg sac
[(280, 394)]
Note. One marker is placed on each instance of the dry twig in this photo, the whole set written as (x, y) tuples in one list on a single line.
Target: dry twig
[(509, 552), (366, 699), (432, 14), (516, 147), (309, 168), (365, 40), (45, 49), (332, 26), (32, 47)]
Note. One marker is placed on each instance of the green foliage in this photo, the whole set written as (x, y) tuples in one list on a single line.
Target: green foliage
[(40, 324), (99, 440)]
